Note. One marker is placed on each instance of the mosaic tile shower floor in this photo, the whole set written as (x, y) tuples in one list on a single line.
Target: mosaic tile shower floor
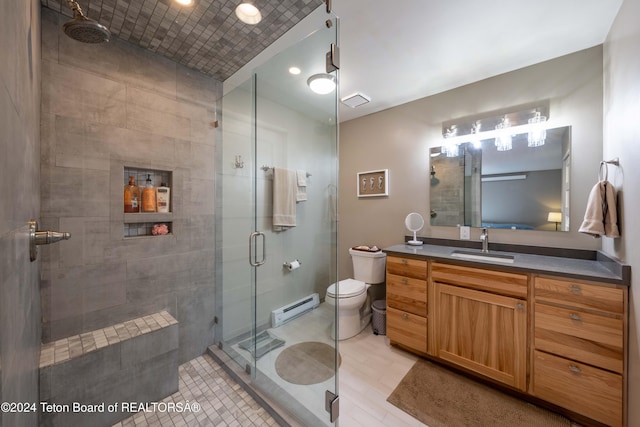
[(222, 401)]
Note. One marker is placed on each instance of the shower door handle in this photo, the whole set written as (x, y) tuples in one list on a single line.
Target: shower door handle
[(252, 240)]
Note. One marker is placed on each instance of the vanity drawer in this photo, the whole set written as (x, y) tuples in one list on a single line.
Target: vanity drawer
[(590, 338), (579, 294), (500, 282), (407, 294), (407, 329), (590, 391), (407, 267)]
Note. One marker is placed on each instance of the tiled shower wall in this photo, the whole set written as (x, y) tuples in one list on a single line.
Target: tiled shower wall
[(104, 108), (20, 202)]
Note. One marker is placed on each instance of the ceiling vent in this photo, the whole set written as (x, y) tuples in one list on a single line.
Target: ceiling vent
[(355, 100)]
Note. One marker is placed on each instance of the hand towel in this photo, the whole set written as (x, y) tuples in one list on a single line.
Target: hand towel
[(284, 198), (601, 218), (301, 194), (611, 212)]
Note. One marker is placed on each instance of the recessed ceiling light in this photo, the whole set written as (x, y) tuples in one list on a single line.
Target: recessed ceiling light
[(295, 70), (184, 2), (248, 13), (322, 83)]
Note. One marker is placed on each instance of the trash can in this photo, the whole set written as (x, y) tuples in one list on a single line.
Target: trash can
[(379, 317)]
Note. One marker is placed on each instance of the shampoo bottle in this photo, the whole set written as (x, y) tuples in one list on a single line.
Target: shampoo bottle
[(131, 196), (162, 197), (148, 196)]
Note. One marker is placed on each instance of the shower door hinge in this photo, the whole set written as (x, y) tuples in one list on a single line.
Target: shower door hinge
[(332, 405), (333, 58)]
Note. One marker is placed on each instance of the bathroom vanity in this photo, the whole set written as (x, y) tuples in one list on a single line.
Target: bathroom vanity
[(551, 327)]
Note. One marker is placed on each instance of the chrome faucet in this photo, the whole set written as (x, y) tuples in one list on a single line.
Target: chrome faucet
[(484, 237)]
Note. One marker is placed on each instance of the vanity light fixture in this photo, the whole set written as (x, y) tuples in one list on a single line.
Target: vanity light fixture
[(248, 13), (322, 83), (538, 133), (504, 142), (184, 2), (501, 128), (450, 147), (475, 138)]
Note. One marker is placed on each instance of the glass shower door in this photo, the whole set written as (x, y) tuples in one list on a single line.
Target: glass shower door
[(274, 126)]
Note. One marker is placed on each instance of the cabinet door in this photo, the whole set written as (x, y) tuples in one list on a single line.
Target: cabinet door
[(483, 332), (590, 338), (407, 329), (407, 267), (590, 391), (407, 294)]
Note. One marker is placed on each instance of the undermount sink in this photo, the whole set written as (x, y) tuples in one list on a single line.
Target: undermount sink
[(483, 256)]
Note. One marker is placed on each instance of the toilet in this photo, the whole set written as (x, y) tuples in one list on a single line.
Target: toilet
[(354, 305)]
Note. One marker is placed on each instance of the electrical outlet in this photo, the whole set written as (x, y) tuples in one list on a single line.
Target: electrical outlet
[(465, 232)]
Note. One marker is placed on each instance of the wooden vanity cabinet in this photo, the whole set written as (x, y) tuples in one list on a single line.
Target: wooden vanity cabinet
[(580, 347), (560, 340), (480, 319), (407, 302)]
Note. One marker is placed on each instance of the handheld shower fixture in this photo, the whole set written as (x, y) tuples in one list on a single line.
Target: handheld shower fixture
[(83, 29)]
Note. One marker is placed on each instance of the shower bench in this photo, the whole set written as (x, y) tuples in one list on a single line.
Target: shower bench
[(133, 362)]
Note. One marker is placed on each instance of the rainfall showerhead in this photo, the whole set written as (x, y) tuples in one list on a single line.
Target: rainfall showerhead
[(83, 29)]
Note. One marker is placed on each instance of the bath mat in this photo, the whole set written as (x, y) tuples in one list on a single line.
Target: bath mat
[(441, 398), (265, 342), (307, 363)]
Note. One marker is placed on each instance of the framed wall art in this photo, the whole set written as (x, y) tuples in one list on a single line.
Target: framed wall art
[(373, 183)]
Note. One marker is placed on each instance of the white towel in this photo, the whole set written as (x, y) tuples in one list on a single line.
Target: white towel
[(285, 187), (301, 194), (601, 215)]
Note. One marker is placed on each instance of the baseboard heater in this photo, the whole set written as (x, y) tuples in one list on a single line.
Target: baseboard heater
[(284, 314)]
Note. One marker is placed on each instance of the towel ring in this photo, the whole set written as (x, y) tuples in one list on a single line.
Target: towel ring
[(606, 171), (606, 163)]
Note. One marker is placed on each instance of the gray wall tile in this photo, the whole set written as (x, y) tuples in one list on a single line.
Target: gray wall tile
[(130, 108), (20, 72)]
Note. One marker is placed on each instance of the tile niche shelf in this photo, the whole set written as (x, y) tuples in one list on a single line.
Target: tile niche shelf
[(140, 224)]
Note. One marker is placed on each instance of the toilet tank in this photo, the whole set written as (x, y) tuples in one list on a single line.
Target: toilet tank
[(368, 267)]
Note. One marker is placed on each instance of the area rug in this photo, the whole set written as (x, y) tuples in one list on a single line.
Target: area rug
[(264, 343), (439, 397), (307, 363)]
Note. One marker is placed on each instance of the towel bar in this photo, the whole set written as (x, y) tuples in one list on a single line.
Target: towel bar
[(266, 168)]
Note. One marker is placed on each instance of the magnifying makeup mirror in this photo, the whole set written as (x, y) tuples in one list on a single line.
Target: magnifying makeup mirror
[(414, 222)]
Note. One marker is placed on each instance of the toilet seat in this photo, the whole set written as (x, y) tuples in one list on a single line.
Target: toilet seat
[(348, 288)]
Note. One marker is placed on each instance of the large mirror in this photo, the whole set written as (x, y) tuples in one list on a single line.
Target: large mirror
[(522, 188)]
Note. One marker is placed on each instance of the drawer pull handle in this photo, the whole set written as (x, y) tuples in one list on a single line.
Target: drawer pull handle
[(405, 262), (404, 281), (574, 368), (575, 316), (404, 316), (575, 289), (519, 306)]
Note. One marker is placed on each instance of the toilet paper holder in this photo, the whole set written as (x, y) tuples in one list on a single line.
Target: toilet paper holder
[(292, 265)]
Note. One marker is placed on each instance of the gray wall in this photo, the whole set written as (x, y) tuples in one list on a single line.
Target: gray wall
[(621, 138), (20, 192), (105, 107), (399, 138)]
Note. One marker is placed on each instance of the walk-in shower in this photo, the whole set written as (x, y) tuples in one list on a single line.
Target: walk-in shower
[(277, 124)]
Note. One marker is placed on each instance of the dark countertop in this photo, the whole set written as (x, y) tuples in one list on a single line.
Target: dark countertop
[(600, 268)]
